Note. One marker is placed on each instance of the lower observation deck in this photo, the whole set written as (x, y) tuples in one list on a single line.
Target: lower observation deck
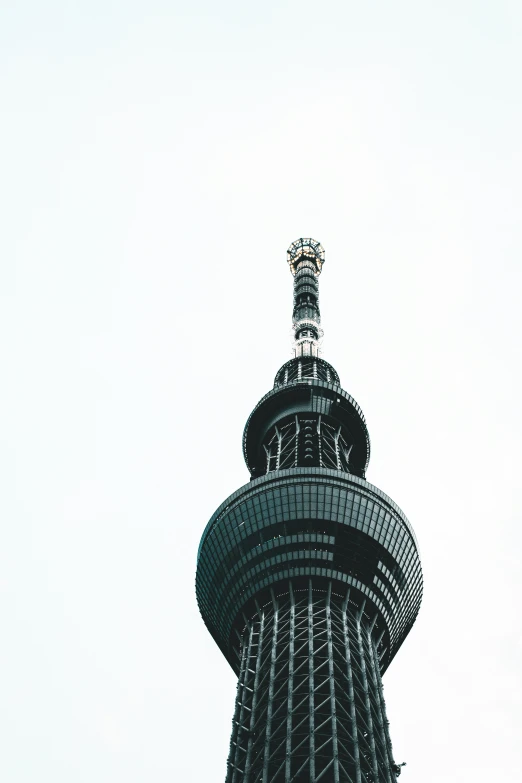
[(302, 524)]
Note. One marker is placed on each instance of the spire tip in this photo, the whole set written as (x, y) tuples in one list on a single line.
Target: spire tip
[(308, 249)]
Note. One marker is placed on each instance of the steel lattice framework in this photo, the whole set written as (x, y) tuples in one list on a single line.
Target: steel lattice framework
[(309, 701), (309, 577)]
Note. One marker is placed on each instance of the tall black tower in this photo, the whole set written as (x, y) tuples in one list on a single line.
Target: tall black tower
[(309, 577)]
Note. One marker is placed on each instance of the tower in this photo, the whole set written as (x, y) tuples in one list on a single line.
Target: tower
[(309, 577)]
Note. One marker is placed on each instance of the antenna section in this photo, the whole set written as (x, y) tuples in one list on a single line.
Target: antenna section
[(305, 249), (306, 258)]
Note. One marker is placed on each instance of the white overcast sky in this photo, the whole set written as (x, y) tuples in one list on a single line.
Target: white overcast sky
[(156, 160)]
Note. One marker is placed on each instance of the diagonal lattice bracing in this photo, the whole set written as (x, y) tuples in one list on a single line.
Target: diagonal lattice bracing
[(309, 702)]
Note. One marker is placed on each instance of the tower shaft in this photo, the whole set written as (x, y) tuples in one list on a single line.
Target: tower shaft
[(309, 701)]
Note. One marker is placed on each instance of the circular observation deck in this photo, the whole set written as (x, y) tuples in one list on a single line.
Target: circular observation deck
[(309, 402), (306, 368), (301, 524)]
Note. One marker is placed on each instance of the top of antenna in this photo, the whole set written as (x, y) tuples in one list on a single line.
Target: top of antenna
[(305, 250)]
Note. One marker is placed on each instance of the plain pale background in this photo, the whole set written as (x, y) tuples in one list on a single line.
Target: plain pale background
[(156, 161)]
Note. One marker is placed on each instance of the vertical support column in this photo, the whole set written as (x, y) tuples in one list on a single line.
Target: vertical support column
[(270, 706), (235, 720), (332, 685), (297, 430), (384, 720), (267, 454), (351, 695), (288, 764), (236, 770), (278, 458), (259, 659), (364, 676), (383, 761), (337, 454), (319, 441), (311, 680)]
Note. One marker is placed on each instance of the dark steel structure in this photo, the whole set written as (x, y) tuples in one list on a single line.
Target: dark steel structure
[(309, 577)]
